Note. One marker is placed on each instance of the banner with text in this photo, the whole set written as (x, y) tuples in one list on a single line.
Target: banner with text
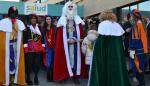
[(37, 8)]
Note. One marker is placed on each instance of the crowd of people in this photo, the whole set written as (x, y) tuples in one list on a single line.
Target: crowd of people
[(95, 48)]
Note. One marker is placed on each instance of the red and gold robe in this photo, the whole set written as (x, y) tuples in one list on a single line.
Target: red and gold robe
[(62, 66)]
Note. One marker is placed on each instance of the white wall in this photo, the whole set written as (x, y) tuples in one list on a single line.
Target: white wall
[(11, 0), (54, 1), (97, 6)]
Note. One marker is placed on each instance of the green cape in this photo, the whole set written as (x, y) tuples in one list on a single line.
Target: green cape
[(108, 66)]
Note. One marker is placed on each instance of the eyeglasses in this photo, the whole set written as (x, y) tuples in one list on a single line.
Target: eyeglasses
[(70, 6)]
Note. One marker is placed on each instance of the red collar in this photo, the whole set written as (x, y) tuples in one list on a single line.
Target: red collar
[(13, 21)]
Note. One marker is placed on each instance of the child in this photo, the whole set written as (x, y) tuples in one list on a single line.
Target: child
[(87, 46)]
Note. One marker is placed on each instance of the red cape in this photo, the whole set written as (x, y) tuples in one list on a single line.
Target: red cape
[(60, 65)]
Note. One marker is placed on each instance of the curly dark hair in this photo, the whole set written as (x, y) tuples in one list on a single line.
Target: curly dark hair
[(31, 16)]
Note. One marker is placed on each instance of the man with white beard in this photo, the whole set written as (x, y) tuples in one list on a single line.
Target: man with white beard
[(67, 57)]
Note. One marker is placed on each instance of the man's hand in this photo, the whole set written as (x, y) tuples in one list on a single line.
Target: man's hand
[(71, 41)]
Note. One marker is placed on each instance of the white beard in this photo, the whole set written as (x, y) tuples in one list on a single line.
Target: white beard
[(70, 14)]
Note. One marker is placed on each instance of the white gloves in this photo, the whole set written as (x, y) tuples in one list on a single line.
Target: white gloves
[(132, 52)]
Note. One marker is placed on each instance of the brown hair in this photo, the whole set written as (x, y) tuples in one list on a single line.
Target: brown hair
[(108, 15)]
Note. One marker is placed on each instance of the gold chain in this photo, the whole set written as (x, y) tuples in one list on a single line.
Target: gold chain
[(14, 33)]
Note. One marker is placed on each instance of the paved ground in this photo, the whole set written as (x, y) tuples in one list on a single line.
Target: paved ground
[(147, 79), (43, 82)]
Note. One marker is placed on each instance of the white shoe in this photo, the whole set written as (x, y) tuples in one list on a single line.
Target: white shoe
[(134, 79)]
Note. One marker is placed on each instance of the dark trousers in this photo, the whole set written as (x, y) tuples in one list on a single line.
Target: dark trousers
[(32, 63), (149, 64), (148, 60)]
